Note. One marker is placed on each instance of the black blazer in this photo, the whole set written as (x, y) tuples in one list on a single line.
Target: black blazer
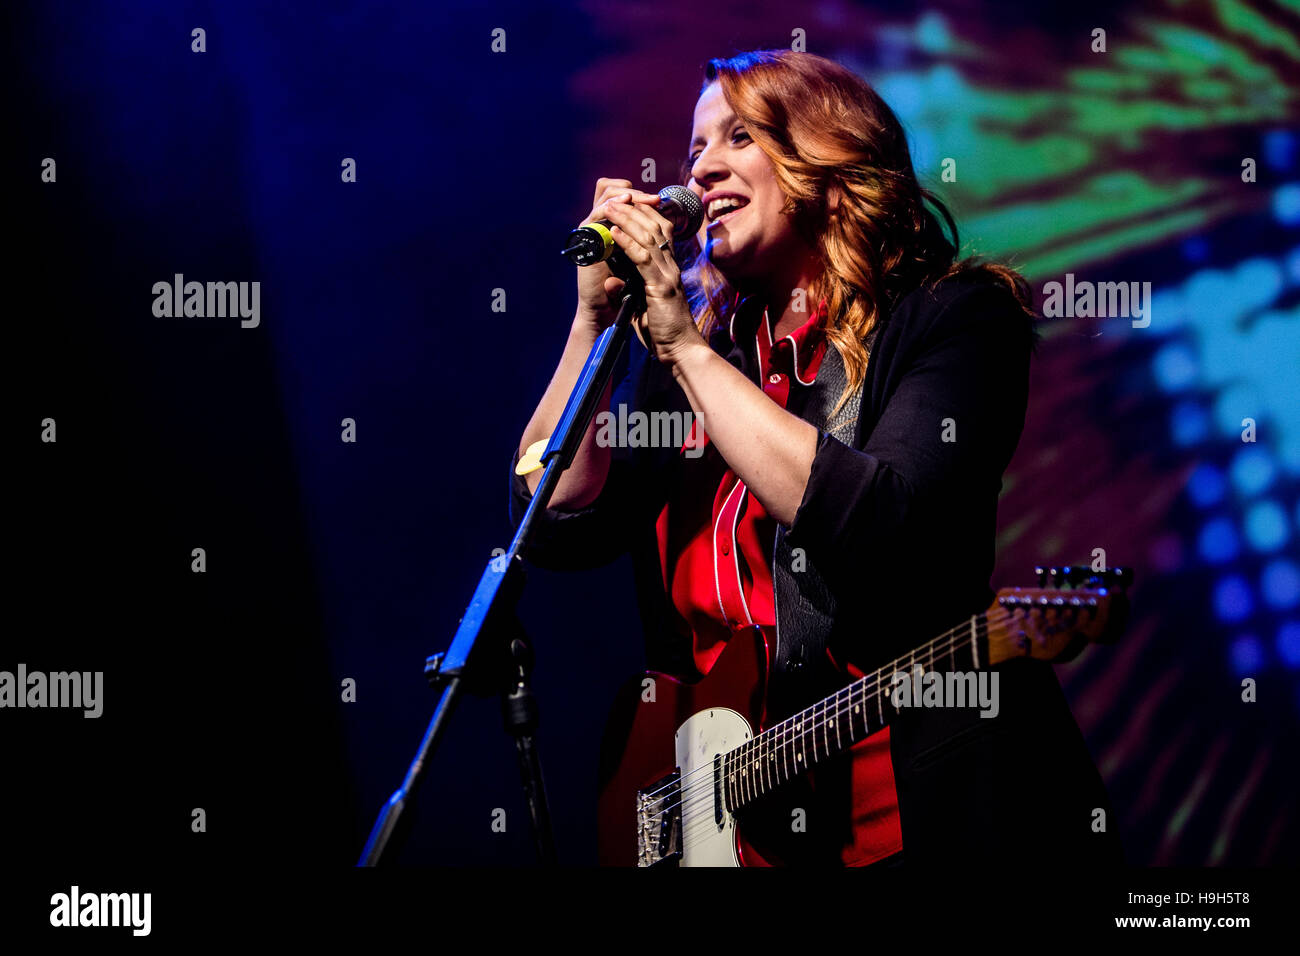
[(900, 525)]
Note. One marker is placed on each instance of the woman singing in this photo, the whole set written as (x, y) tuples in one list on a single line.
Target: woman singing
[(856, 395)]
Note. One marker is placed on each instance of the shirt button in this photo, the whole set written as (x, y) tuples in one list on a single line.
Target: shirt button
[(774, 378), (726, 550)]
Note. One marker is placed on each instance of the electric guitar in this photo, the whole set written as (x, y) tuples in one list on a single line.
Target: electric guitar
[(691, 759)]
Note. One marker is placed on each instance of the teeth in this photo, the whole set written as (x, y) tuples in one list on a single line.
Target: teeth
[(720, 206)]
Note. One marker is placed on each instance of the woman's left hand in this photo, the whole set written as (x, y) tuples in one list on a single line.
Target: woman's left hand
[(667, 327)]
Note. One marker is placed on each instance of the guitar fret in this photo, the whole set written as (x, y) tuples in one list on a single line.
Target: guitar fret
[(813, 726), (749, 770), (782, 751), (825, 742), (767, 764), (746, 783), (825, 724), (745, 788)]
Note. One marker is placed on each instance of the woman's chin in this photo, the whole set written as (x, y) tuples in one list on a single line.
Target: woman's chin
[(724, 258)]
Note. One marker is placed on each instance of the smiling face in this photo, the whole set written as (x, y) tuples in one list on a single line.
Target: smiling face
[(758, 238)]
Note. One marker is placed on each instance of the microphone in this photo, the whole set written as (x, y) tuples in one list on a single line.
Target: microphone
[(594, 242)]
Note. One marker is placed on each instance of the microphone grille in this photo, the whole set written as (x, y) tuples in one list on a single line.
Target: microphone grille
[(688, 214)]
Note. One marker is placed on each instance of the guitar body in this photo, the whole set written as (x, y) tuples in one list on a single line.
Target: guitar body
[(651, 744), (681, 728)]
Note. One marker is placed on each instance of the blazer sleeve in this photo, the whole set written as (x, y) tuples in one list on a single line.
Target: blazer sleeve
[(587, 537), (947, 432), (630, 498)]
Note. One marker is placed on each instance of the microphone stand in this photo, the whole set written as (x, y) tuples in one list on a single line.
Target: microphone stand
[(490, 651)]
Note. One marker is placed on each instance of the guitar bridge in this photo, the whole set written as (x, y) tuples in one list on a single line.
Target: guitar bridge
[(659, 821)]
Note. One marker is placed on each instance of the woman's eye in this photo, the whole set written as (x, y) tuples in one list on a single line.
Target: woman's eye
[(739, 134)]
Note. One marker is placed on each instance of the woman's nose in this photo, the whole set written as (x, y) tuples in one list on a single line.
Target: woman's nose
[(708, 168)]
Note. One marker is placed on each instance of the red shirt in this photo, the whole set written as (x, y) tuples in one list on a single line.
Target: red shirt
[(715, 548)]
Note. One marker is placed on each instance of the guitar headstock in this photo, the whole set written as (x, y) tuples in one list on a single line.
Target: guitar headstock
[(1071, 607)]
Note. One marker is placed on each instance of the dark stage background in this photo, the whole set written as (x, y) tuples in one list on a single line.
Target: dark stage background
[(329, 560)]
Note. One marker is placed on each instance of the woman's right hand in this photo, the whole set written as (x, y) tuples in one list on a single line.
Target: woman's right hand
[(598, 287)]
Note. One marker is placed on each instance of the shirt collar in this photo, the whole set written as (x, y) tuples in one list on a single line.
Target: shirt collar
[(807, 344)]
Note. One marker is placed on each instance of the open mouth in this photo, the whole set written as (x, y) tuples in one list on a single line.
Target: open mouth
[(721, 210)]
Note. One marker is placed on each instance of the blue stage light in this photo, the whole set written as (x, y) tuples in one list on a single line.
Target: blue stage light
[(1189, 423), (1280, 148), (1237, 402), (1288, 452), (1293, 266), (1253, 470), (1280, 584), (1246, 654), (1260, 281), (1266, 528), (1286, 204), (1288, 643), (1206, 486), (1218, 541), (1175, 367), (1232, 598), (1170, 304)]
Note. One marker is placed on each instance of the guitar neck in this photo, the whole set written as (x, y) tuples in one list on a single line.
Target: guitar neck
[(833, 725)]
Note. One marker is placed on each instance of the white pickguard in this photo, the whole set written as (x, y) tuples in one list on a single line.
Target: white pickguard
[(698, 741)]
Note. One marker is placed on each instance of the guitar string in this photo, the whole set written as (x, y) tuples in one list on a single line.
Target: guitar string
[(869, 685), (784, 732), (695, 794), (705, 825), (872, 679), (692, 793), (699, 794)]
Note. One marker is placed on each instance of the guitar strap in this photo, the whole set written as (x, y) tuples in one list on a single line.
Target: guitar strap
[(805, 607)]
